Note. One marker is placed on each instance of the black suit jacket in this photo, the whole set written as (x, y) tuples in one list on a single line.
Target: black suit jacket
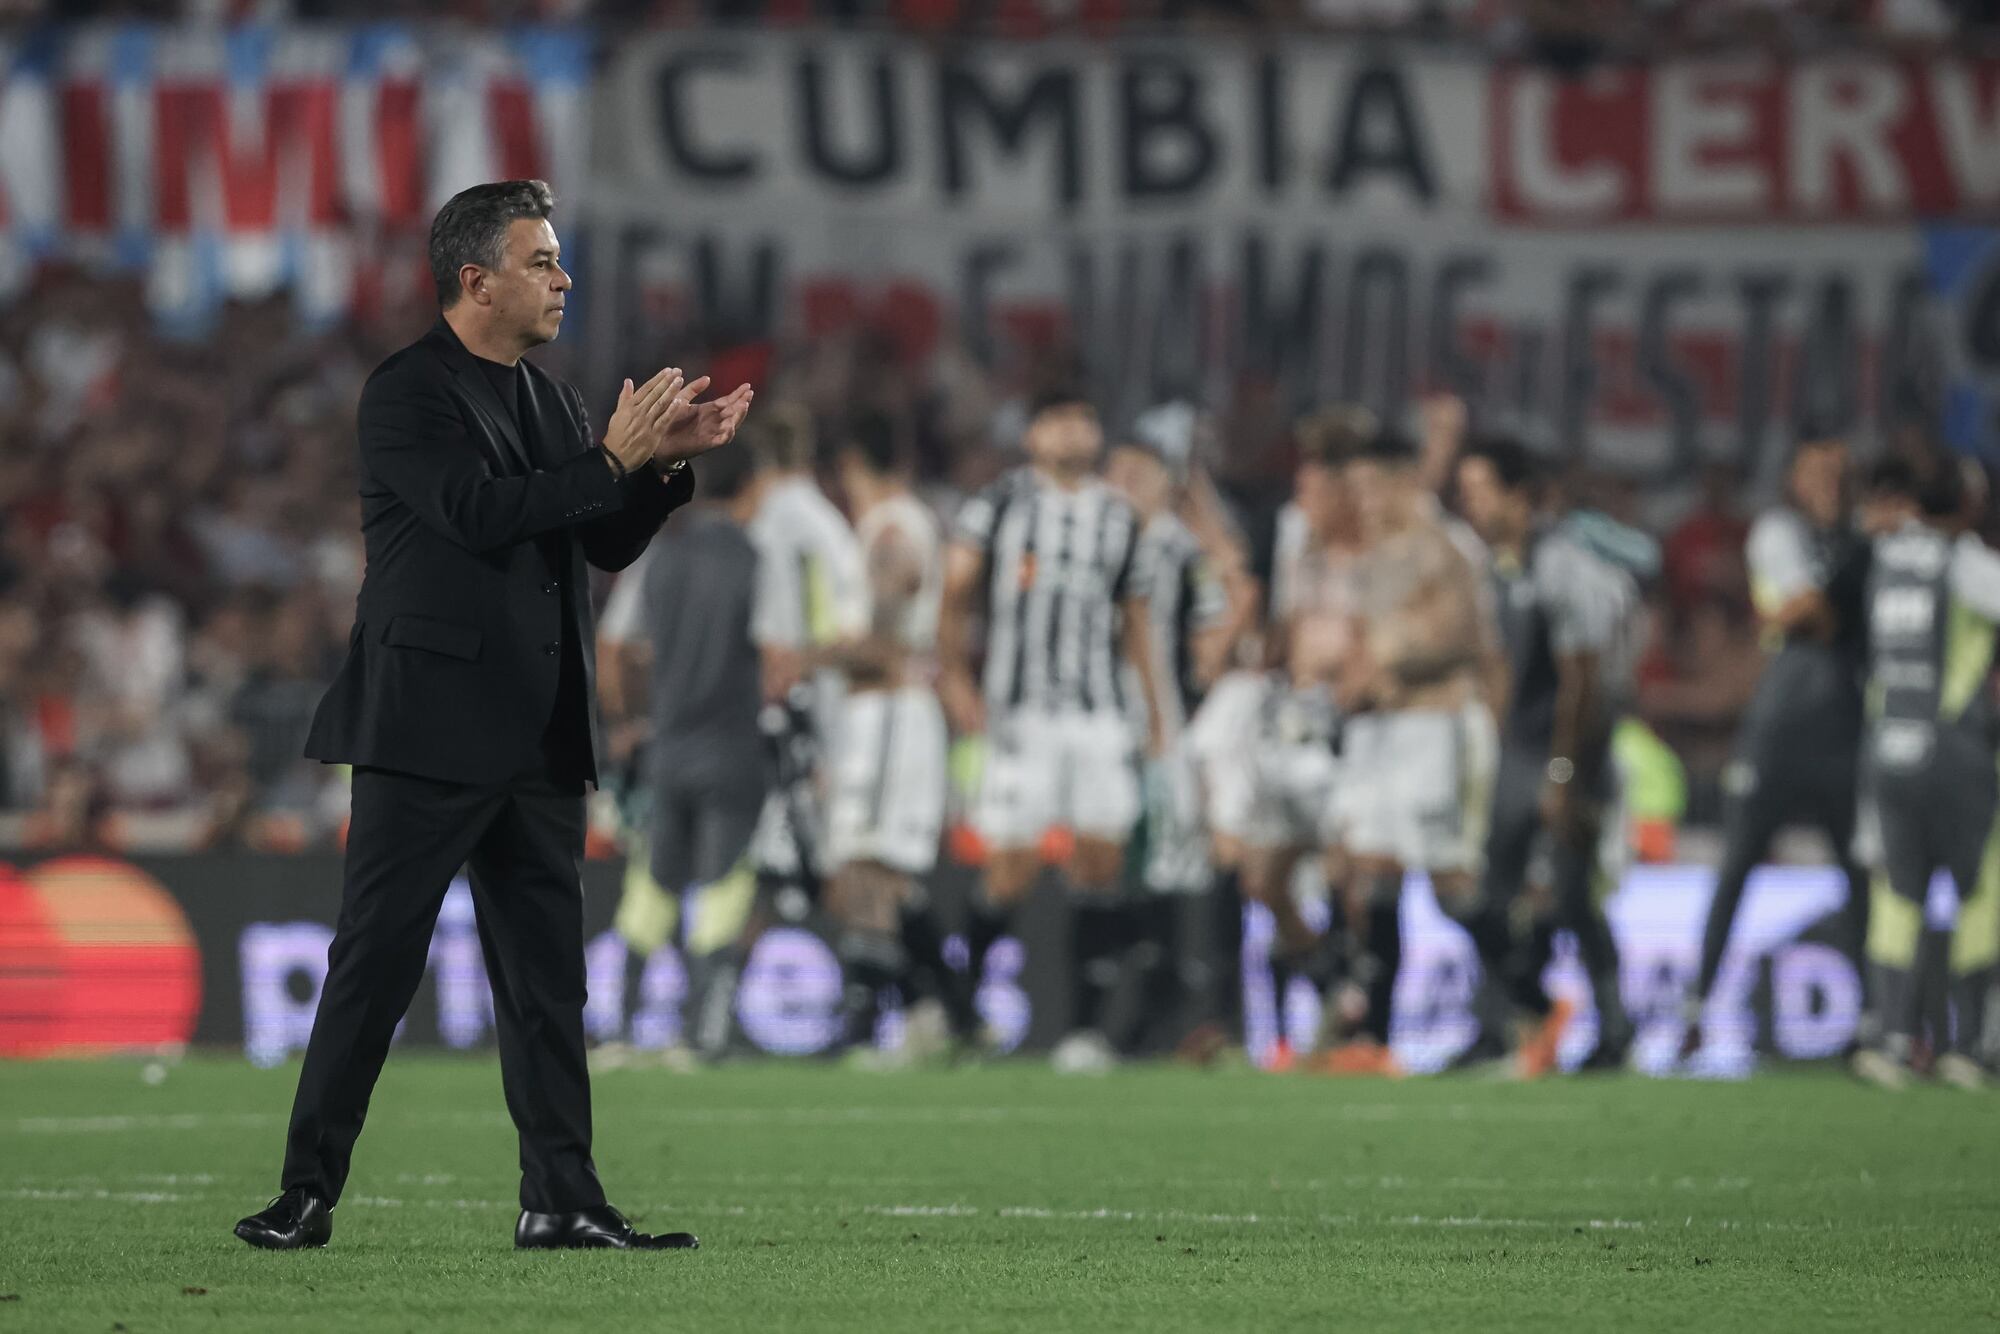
[(453, 661)]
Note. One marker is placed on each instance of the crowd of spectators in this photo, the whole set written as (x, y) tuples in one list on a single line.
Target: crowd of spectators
[(1563, 31), (179, 552)]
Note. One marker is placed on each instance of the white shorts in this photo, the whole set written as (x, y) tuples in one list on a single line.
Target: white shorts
[(1293, 802), (1068, 767), (1271, 780), (1221, 738), (1419, 786), (887, 796)]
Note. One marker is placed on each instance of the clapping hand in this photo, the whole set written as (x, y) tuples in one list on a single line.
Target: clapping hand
[(660, 420), (695, 428), (639, 421)]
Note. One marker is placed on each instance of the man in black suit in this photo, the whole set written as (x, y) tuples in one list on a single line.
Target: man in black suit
[(466, 703)]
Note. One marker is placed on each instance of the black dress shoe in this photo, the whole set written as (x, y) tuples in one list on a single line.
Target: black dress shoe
[(296, 1220), (600, 1228)]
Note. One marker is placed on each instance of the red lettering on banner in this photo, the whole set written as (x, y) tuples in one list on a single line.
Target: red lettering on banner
[(1848, 140), (199, 141), (517, 145), (86, 146), (399, 158)]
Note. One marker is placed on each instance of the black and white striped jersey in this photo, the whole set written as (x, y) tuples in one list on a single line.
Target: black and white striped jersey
[(1057, 566), (1183, 597)]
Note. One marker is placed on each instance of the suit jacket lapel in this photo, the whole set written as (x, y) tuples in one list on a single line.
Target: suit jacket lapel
[(498, 419), (513, 455)]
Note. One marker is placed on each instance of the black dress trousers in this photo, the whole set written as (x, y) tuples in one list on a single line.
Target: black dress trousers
[(523, 844)]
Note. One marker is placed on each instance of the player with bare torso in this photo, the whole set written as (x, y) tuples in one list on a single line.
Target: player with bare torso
[(886, 804), (1419, 762), (1267, 740)]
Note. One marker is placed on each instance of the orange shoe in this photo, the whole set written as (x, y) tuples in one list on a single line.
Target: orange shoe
[(1538, 1054), (1283, 1058), (1364, 1057)]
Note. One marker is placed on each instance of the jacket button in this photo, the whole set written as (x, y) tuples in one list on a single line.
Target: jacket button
[(549, 588), (552, 648)]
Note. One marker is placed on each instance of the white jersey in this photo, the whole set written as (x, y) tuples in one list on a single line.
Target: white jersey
[(812, 586), (911, 522)]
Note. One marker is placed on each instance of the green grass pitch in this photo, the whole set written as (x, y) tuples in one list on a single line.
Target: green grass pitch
[(1007, 1198)]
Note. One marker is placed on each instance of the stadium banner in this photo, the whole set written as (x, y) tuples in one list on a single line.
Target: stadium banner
[(228, 951), (219, 162), (1644, 265)]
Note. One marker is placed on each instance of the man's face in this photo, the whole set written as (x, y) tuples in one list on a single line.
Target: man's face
[(1139, 477), (1065, 438), (1380, 502), (1322, 499), (526, 292), (1819, 478), (1495, 513)]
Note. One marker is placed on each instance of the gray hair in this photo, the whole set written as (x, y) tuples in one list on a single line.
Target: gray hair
[(471, 228)]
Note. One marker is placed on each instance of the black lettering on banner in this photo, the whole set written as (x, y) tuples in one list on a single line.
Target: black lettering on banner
[(1379, 133), (881, 156), (1050, 96), (1107, 317), (731, 310), (1450, 366), (1677, 390), (1912, 362), (1759, 293), (1160, 96), (1583, 291), (1824, 389), (1375, 336), (1280, 328), (1269, 117), (617, 316), (1179, 320), (982, 263), (689, 158), (1528, 345)]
